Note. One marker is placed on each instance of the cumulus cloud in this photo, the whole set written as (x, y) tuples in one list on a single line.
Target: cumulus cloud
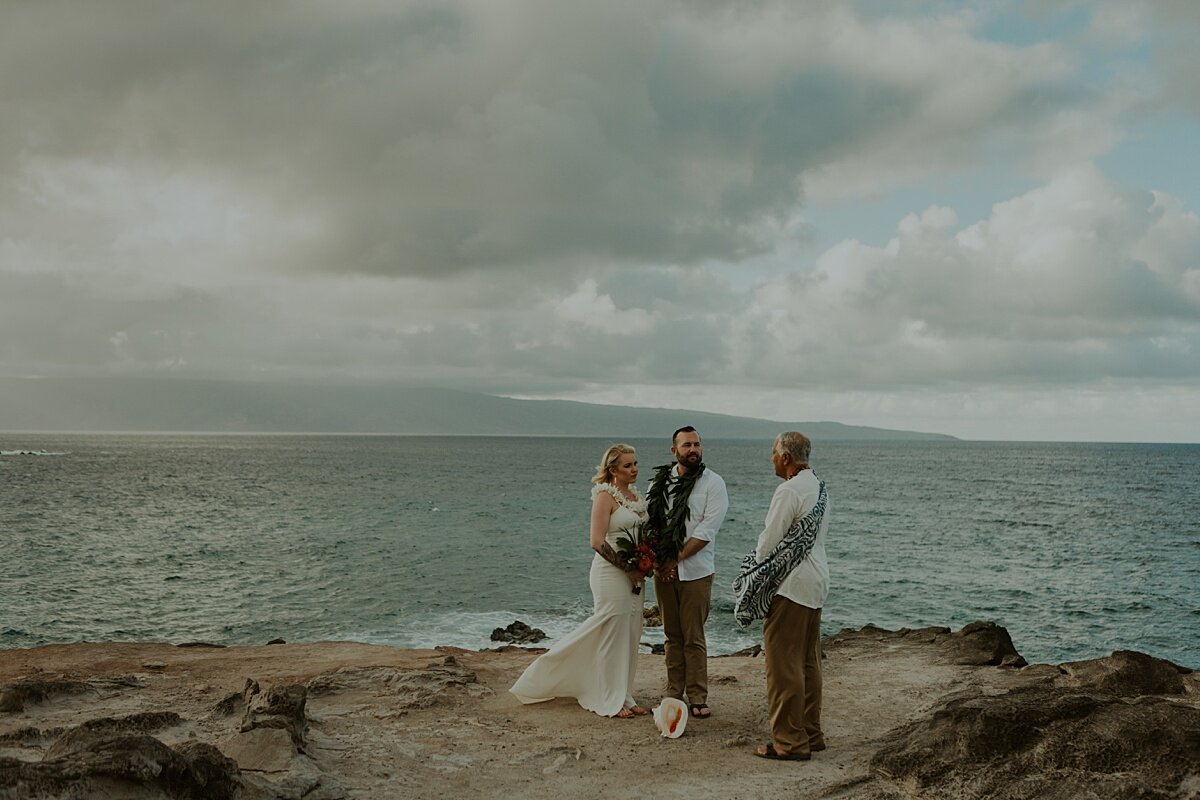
[(426, 138), (1078, 279)]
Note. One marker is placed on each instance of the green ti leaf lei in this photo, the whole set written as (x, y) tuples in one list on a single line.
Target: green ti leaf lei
[(668, 526)]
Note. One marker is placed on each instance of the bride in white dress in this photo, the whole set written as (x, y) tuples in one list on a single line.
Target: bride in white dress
[(596, 663)]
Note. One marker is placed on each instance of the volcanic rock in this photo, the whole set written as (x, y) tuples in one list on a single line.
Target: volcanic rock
[(1045, 741), (518, 633), (98, 764), (981, 644), (280, 707), (82, 736), (38, 690), (977, 644), (1125, 673)]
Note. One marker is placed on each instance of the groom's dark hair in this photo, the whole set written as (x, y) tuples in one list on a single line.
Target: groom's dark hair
[(684, 429)]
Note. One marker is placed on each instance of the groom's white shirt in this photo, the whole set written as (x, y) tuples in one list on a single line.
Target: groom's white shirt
[(707, 506)]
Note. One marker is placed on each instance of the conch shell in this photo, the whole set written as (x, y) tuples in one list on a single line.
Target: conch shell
[(671, 717)]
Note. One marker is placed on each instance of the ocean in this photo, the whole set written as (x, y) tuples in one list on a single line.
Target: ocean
[(1077, 549)]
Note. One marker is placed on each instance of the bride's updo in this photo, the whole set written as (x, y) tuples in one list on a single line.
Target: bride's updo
[(604, 468)]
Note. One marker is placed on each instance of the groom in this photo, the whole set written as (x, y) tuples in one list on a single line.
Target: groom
[(687, 503)]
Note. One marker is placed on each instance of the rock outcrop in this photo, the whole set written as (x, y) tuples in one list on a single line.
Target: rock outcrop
[(16, 695), (1125, 673), (976, 644), (98, 763), (1108, 727), (279, 708)]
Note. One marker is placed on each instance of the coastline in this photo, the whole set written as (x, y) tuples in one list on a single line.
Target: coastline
[(928, 713)]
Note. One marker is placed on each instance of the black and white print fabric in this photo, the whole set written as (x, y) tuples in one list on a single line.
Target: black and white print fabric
[(757, 581)]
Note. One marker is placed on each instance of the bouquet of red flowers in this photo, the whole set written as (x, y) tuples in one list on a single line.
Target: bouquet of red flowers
[(637, 552)]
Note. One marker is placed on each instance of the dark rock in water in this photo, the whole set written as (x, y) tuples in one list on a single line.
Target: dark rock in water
[(279, 707), (198, 644), (518, 633), (1045, 741), (277, 641), (98, 764), (1126, 673), (37, 690), (656, 648), (651, 617)]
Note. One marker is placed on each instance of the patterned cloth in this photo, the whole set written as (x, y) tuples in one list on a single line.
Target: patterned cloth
[(758, 581)]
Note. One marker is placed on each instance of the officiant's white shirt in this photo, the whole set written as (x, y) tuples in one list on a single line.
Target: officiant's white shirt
[(808, 583), (706, 510)]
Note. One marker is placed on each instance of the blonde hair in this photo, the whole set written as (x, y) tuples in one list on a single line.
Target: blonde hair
[(604, 468)]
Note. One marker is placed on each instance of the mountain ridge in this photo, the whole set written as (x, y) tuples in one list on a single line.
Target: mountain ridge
[(223, 406)]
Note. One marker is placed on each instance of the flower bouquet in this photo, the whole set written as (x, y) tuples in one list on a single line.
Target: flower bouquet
[(637, 552)]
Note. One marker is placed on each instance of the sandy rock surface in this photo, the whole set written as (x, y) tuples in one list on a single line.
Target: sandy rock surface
[(926, 713)]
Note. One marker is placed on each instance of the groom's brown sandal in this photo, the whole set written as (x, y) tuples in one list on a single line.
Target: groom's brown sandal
[(700, 711), (768, 751)]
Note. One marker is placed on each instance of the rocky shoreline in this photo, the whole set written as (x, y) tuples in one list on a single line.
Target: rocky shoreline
[(926, 713)]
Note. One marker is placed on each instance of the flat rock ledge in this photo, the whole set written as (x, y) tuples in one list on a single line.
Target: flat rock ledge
[(924, 713)]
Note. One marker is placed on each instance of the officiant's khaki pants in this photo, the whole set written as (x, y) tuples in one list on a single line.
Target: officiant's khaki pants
[(684, 606), (792, 646)]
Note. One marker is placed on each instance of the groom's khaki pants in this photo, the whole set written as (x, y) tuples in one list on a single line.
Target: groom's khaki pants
[(792, 646), (684, 606)]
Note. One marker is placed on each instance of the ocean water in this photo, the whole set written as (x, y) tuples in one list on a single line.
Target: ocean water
[(1078, 549)]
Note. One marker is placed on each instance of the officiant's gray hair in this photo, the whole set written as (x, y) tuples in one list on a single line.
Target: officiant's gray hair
[(604, 468), (796, 445)]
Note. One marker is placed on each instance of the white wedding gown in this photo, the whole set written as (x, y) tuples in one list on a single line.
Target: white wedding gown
[(596, 662)]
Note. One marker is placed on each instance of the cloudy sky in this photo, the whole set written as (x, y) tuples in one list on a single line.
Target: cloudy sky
[(978, 218)]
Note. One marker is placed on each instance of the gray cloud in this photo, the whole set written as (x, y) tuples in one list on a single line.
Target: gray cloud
[(426, 139)]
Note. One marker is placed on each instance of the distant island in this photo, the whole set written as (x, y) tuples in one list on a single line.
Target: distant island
[(211, 406)]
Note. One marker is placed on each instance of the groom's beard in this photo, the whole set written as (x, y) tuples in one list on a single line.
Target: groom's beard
[(690, 460)]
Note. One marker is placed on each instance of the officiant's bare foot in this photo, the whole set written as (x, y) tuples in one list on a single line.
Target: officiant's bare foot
[(639, 711), (624, 713)]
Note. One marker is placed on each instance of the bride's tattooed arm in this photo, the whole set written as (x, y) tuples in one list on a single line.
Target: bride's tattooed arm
[(608, 554)]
